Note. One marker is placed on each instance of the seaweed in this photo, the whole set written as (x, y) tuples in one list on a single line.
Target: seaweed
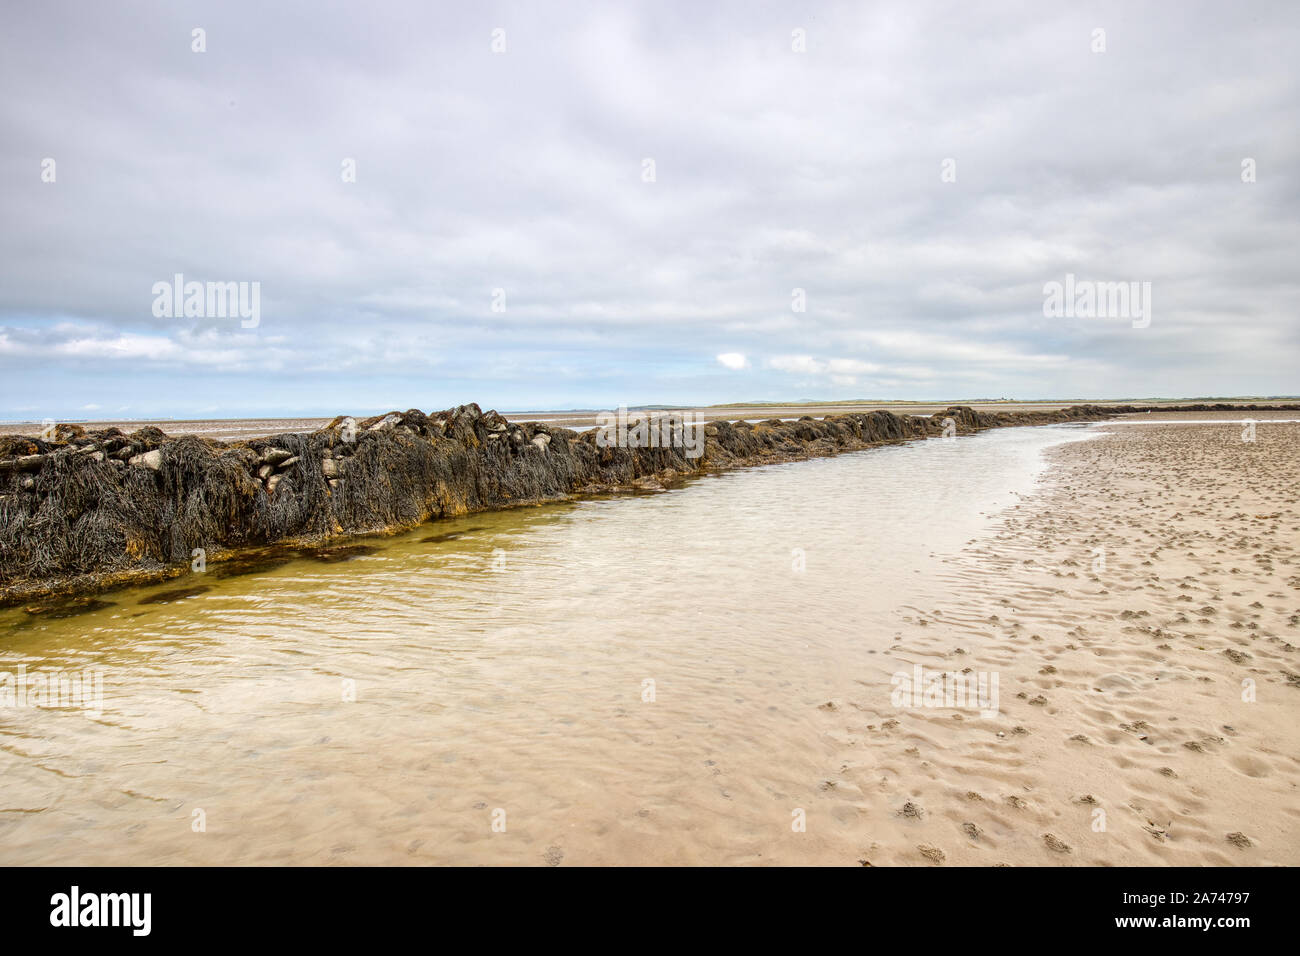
[(86, 509)]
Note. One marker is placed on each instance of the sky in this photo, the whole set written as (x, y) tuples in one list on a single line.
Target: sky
[(581, 205)]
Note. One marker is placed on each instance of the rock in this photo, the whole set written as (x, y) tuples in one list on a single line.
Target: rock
[(336, 484), (272, 483), (541, 441), (29, 484), (289, 462), (265, 471), (30, 462), (150, 459), (391, 420), (274, 456), (330, 467)]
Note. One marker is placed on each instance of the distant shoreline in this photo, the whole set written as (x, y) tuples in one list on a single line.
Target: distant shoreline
[(234, 429)]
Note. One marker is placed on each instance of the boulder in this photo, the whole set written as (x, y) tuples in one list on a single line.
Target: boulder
[(150, 459)]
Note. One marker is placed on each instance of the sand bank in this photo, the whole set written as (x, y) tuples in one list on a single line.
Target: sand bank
[(1142, 612)]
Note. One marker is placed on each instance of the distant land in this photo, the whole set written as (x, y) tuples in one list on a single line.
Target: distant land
[(233, 429)]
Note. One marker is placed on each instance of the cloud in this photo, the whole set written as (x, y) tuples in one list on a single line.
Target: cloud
[(802, 364), (733, 360), (521, 172)]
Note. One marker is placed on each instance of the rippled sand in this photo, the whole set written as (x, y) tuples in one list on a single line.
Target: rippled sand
[(1123, 738)]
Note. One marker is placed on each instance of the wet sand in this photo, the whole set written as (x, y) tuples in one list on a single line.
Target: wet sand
[(1129, 606)]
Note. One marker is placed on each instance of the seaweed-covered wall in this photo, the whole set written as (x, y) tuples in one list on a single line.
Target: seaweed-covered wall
[(94, 508)]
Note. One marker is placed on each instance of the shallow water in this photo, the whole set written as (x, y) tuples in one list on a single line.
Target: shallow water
[(622, 680)]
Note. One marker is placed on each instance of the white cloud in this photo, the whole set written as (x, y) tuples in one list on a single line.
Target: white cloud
[(733, 360)]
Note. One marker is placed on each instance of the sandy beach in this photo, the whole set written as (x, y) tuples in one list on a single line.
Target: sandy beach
[(1119, 580), (1141, 609)]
